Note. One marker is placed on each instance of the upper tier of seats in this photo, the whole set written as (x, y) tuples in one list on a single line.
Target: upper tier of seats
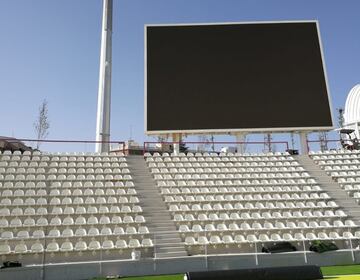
[(69, 205), (227, 201)]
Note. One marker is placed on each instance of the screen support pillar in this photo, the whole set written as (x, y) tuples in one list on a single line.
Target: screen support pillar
[(176, 137), (241, 137), (303, 142)]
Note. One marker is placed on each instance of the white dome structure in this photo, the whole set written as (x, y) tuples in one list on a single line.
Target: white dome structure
[(352, 110)]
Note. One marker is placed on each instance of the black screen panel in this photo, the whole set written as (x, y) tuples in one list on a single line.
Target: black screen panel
[(235, 76)]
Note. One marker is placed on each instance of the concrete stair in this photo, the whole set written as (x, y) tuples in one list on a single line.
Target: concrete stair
[(334, 189), (166, 238)]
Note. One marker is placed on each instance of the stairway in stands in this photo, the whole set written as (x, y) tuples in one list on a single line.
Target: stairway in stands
[(167, 241), (334, 190)]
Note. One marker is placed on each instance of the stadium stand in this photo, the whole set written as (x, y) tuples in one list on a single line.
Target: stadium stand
[(79, 208), (229, 202), (71, 206)]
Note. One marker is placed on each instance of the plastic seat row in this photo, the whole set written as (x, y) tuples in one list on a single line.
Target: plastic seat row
[(42, 210), (269, 161), (228, 239), (276, 215), (60, 177), (78, 232), (67, 192), (67, 246), (68, 221), (207, 207), (65, 184), (228, 182), (247, 197), (221, 227), (69, 200), (217, 169), (211, 189)]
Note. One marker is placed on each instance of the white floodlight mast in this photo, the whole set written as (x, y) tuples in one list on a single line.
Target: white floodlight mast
[(104, 93)]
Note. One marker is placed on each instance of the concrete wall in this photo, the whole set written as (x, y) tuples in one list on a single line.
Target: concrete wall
[(69, 271)]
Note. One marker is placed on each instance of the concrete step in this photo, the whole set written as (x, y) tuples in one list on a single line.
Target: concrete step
[(158, 219), (171, 255), (163, 248)]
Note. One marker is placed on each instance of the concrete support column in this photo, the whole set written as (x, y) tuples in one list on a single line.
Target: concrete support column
[(241, 137), (176, 137), (303, 142)]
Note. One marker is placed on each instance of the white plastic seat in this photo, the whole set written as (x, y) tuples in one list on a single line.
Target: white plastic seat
[(93, 232), (202, 240), (80, 246), (121, 244), (275, 237), (322, 236), (147, 242), (215, 239), (184, 228), (108, 245), (143, 230), (20, 248), (5, 249), (94, 245), (52, 247), (130, 230), (68, 232), (251, 238), (348, 235), (189, 240), (36, 248), (67, 246), (80, 232), (239, 239), (311, 236), (264, 238), (23, 234), (134, 243)]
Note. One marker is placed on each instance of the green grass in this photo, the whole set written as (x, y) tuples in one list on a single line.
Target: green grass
[(343, 277), (341, 270)]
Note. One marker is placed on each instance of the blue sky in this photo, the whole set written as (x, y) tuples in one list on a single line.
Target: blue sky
[(50, 49)]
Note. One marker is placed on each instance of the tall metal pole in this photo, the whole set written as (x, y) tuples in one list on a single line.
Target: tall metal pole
[(104, 93)]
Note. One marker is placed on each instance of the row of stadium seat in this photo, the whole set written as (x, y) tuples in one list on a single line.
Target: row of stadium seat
[(63, 177), (42, 153), (275, 215), (214, 154), (77, 232), (223, 228), (216, 169), (40, 210), (65, 184), (251, 238), (48, 159), (34, 164), (67, 200), (68, 246), (66, 192), (226, 161), (64, 170), (240, 190), (17, 222), (248, 206)]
